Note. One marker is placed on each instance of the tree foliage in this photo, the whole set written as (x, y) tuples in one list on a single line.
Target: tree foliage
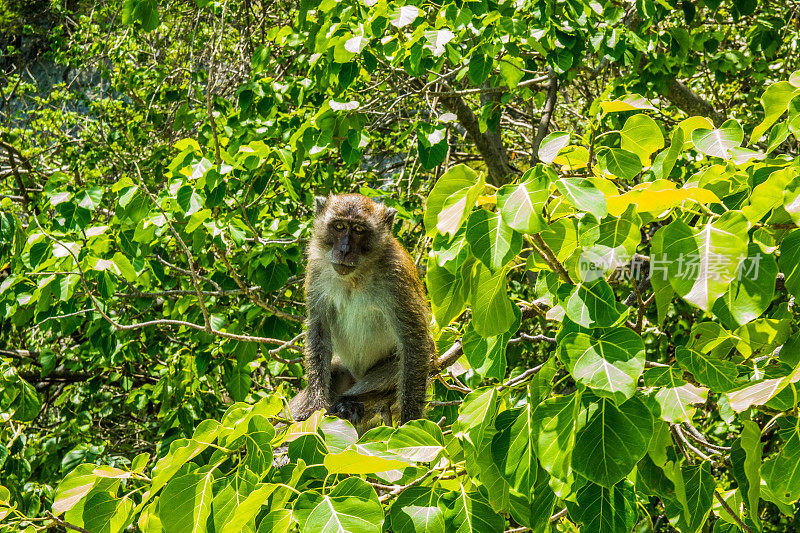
[(603, 198)]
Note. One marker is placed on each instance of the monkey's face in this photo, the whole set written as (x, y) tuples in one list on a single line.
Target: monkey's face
[(351, 229), (350, 242)]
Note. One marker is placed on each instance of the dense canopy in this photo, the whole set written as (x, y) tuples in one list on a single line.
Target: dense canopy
[(602, 197)]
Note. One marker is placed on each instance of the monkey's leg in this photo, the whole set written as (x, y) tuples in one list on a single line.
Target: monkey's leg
[(301, 407), (370, 393)]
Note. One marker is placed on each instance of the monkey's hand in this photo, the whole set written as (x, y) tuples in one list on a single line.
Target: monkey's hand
[(350, 410)]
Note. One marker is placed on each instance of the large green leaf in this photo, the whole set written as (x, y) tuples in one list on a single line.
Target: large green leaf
[(345, 514), (609, 365), (472, 513), (709, 369), (448, 292), (417, 510), (701, 263), (789, 262), (553, 426), (675, 396), (513, 453), (694, 492), (593, 305), (521, 205), (612, 441), (750, 294), (606, 509), (582, 194), (105, 513), (418, 440), (775, 101), (492, 310), (186, 502), (642, 136), (746, 465), (491, 240), (451, 200), (619, 162), (720, 141), (609, 244)]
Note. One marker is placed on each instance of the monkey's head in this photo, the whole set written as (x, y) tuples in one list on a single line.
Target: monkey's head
[(350, 228)]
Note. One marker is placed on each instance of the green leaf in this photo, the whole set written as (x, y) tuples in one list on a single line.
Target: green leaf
[(746, 465), (105, 513), (631, 102), (612, 441), (418, 440), (491, 240), (583, 195), (248, 508), (345, 514), (700, 264), (593, 305), (675, 396), (27, 405), (513, 453), (492, 310), (417, 510), (554, 423), (775, 102), (352, 462), (551, 145), (487, 357), (451, 200), (448, 292), (521, 205), (761, 392), (791, 199), (146, 11), (480, 67), (186, 502), (402, 16), (74, 487), (611, 510), (609, 365), (789, 262), (511, 70), (476, 415), (609, 244), (665, 161), (769, 194), (694, 490), (258, 444), (750, 294), (719, 141), (782, 472), (642, 136), (710, 370), (472, 513)]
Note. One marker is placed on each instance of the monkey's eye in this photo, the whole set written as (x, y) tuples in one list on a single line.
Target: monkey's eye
[(339, 226), (359, 229)]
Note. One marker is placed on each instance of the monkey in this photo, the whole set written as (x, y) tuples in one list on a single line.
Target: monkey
[(368, 340)]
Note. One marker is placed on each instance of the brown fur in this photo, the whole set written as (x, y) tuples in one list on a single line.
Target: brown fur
[(367, 307)]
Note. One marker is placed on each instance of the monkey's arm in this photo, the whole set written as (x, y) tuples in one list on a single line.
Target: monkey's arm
[(415, 351), (319, 352)]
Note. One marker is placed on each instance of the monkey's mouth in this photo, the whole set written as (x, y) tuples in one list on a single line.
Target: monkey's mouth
[(343, 269)]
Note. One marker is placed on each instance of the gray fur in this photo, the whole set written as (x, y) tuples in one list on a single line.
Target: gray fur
[(374, 320)]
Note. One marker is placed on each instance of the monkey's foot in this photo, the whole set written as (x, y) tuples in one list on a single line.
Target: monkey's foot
[(350, 410)]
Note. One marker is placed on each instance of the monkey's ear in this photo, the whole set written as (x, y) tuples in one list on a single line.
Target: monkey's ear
[(388, 216), (319, 204)]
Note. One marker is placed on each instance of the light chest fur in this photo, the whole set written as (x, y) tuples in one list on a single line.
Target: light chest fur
[(360, 330)]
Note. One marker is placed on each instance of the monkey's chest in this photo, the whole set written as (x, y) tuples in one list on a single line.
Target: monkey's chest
[(361, 334)]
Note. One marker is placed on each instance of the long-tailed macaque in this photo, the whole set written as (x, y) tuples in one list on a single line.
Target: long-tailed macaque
[(368, 346)]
